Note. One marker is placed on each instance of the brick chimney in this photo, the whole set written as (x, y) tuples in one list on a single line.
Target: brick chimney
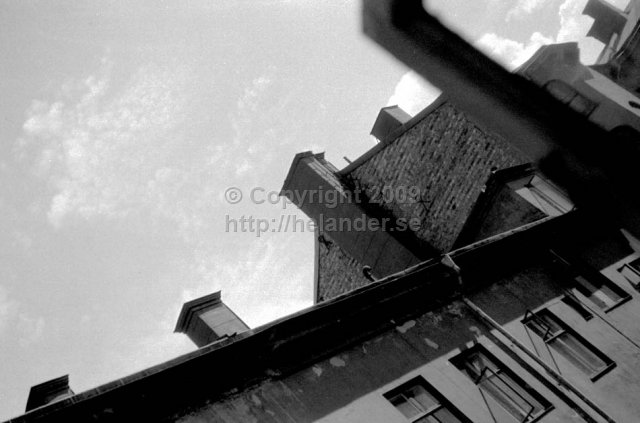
[(315, 186), (389, 119), (207, 319), (48, 392)]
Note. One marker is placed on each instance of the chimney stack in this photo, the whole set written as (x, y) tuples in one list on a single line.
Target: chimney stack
[(48, 392), (207, 319), (389, 119)]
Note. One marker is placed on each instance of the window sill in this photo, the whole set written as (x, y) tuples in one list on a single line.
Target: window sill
[(541, 415), (594, 377), (618, 304)]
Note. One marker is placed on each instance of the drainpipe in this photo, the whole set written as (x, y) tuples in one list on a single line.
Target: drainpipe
[(448, 262)]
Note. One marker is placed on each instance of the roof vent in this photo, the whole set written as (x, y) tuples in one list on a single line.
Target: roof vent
[(48, 392), (389, 119), (207, 319)]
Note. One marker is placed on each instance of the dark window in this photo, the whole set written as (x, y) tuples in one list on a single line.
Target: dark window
[(420, 402), (599, 289), (561, 90), (562, 339), (570, 96), (508, 397), (543, 195)]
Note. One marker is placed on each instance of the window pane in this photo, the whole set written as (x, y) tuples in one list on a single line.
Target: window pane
[(475, 363), (577, 353), (404, 406), (421, 398), (567, 343), (507, 399), (510, 397), (630, 275), (543, 326), (442, 416), (602, 296)]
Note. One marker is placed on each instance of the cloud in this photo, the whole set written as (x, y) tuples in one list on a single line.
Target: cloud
[(30, 329), (264, 282), (102, 149), (8, 309), (248, 116), (508, 52), (412, 93), (26, 328), (573, 28), (573, 24), (524, 7)]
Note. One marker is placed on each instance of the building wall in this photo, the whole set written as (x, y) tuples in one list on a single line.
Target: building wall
[(338, 272), (615, 332), (315, 186), (447, 158), (349, 386)]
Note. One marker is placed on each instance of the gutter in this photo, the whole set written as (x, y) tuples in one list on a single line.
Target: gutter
[(447, 261)]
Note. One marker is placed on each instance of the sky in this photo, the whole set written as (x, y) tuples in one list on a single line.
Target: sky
[(123, 127)]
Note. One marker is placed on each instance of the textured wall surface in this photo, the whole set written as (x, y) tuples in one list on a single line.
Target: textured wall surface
[(338, 272), (448, 159)]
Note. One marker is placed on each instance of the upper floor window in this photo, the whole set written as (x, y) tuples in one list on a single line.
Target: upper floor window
[(631, 272), (420, 402), (543, 195), (570, 96), (600, 290), (508, 397), (566, 342)]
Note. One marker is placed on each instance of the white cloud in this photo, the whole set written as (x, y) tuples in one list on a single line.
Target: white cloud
[(573, 28), (413, 93), (26, 328), (30, 329), (100, 151), (260, 285), (509, 52), (247, 121), (524, 7), (8, 309)]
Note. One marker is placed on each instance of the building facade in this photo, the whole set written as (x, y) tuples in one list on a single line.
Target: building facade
[(452, 178)]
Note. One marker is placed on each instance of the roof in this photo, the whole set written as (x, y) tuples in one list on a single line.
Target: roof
[(45, 392), (191, 307), (294, 342)]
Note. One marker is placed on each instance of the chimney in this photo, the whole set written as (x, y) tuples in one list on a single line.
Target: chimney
[(316, 187), (389, 119), (608, 20), (48, 392), (207, 319)]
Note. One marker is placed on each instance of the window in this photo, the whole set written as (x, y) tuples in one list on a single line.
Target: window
[(420, 402), (570, 96), (543, 195), (508, 397), (631, 272), (562, 339), (599, 289)]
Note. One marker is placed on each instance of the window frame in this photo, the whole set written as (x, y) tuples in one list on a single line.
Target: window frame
[(542, 194), (566, 329), (573, 271), (634, 267), (478, 349), (443, 402)]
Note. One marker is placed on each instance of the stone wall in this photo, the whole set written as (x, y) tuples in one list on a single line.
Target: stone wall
[(445, 157)]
